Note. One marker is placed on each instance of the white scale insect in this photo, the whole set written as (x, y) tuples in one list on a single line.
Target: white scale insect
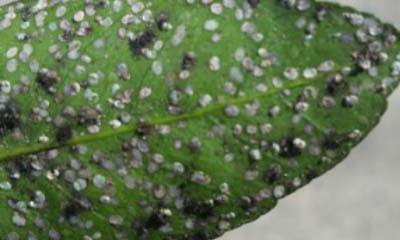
[(40, 3), (6, 2)]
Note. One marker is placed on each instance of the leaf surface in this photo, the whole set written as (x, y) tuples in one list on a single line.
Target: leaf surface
[(170, 119)]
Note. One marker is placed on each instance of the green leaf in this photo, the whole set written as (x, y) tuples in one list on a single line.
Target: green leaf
[(171, 119)]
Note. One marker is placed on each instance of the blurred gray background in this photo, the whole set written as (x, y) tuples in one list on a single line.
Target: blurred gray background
[(359, 199)]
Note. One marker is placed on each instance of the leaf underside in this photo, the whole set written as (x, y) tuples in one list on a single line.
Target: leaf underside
[(169, 119)]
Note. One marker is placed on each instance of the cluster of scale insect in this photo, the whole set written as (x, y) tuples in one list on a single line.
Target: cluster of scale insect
[(70, 32)]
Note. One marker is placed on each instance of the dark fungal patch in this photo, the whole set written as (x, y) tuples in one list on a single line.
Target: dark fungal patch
[(142, 41), (156, 220), (332, 141), (273, 173), (368, 57), (349, 101), (311, 174), (162, 20), (198, 236), (144, 129), (68, 35), (199, 209), (355, 71), (288, 148), (141, 230), (188, 60), (26, 13), (18, 167), (288, 3), (9, 118), (64, 133), (247, 203), (335, 83), (254, 3), (73, 209), (47, 80)]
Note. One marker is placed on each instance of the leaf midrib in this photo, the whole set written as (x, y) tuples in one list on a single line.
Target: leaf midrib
[(13, 153)]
